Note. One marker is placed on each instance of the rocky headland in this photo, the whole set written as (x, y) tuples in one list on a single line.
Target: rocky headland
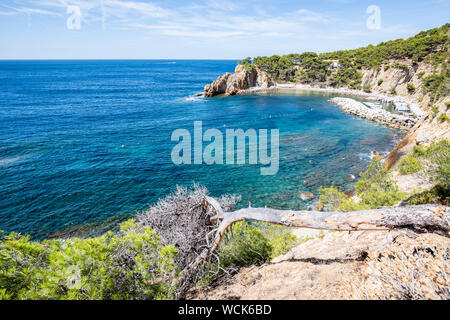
[(243, 78)]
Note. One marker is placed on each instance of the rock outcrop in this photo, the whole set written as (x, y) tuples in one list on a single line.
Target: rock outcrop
[(242, 79)]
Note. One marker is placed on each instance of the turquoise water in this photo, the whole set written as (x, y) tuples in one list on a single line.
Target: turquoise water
[(63, 125)]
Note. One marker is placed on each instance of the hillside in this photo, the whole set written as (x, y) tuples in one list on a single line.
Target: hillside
[(416, 66)]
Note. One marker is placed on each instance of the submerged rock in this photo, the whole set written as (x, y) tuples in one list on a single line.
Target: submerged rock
[(305, 196), (350, 177), (242, 79)]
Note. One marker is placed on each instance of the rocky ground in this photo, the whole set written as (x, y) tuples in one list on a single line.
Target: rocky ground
[(342, 265)]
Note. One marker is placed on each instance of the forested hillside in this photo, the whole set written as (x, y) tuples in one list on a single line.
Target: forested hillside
[(428, 48)]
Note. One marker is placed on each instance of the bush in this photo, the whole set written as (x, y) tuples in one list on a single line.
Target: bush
[(410, 165), (443, 117), (434, 161), (248, 243), (436, 85), (367, 88), (393, 91), (380, 82), (438, 194), (376, 189), (126, 265), (411, 88), (438, 168)]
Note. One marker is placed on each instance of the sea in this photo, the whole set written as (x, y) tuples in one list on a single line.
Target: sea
[(87, 144)]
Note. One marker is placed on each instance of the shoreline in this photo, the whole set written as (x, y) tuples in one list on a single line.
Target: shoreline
[(412, 103)]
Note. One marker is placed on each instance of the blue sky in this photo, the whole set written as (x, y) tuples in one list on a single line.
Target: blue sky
[(212, 29)]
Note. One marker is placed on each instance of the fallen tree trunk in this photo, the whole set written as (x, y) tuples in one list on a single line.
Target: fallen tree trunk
[(424, 218)]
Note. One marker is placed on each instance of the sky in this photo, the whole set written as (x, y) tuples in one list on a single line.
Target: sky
[(205, 29)]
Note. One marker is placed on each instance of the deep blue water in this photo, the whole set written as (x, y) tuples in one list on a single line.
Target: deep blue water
[(63, 125)]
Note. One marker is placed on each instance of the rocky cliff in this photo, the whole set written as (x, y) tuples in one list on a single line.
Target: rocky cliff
[(243, 78)]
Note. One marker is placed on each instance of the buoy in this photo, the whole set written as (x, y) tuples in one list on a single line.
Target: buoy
[(123, 146), (305, 182)]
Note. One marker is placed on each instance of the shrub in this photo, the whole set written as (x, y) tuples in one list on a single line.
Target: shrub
[(438, 194), (380, 82), (376, 189), (421, 74), (438, 168), (411, 88), (436, 85), (393, 91), (248, 243), (400, 66), (410, 165), (126, 265), (443, 117), (367, 88)]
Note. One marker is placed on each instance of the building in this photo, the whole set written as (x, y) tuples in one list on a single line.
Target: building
[(400, 106), (335, 65)]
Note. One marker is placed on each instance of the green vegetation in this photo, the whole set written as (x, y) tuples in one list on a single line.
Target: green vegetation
[(401, 66), (443, 117), (309, 67), (438, 166), (254, 243), (380, 82), (112, 266), (126, 265), (411, 88), (393, 91), (437, 58), (434, 161), (421, 74), (437, 85), (438, 194), (377, 188), (247, 63), (410, 165)]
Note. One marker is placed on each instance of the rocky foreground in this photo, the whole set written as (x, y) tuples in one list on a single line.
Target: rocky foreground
[(379, 115), (242, 79), (343, 265)]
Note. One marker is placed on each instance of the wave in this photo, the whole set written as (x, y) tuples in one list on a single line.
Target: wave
[(6, 162)]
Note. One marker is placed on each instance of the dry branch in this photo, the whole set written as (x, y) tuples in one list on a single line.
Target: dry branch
[(196, 224)]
